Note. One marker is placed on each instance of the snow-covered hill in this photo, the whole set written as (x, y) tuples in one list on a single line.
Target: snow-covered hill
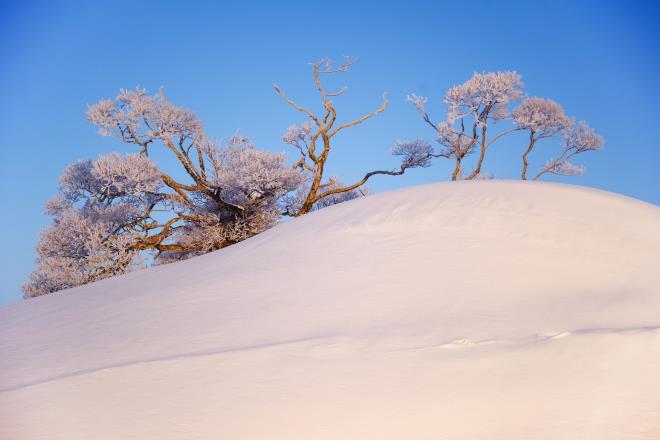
[(478, 310)]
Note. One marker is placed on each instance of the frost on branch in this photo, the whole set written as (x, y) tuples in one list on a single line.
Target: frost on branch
[(456, 144), (298, 136), (95, 185), (563, 168), (581, 138), (471, 107), (577, 139), (249, 176), (291, 203), (137, 117), (417, 153), (485, 95), (130, 175), (542, 116), (419, 102), (314, 140), (111, 211), (475, 106), (76, 250), (91, 236)]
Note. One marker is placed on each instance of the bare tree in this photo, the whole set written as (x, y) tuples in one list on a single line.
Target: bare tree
[(313, 140), (111, 210)]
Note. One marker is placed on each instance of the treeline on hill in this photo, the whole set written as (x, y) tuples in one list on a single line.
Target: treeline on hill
[(119, 211)]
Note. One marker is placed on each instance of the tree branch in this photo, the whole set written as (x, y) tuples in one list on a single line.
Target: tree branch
[(296, 106), (364, 180), (362, 119)]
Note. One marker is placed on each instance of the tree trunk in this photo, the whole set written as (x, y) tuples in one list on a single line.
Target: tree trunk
[(529, 149), (457, 170)]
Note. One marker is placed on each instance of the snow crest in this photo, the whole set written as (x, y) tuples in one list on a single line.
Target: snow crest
[(489, 309)]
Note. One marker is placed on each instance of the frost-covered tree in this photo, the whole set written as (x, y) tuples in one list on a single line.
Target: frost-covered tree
[(542, 118), (111, 210), (474, 108), (313, 140), (292, 203), (77, 249), (577, 139)]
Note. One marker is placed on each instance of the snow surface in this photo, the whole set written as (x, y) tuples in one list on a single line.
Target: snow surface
[(478, 310)]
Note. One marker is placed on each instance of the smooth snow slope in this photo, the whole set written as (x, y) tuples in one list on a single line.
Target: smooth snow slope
[(478, 310)]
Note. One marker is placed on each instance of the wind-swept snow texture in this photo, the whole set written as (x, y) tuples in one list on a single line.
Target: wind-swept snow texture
[(477, 310)]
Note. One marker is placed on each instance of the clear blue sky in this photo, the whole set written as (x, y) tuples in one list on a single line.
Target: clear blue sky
[(599, 59)]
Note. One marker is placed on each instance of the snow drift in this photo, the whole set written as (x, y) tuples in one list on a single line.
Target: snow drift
[(489, 310)]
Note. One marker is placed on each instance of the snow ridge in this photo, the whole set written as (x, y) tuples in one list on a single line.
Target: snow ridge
[(490, 310)]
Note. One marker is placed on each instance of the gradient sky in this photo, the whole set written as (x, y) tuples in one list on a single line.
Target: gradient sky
[(599, 59)]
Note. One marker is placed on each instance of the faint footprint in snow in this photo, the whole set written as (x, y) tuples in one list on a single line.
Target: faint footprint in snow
[(461, 342), (540, 337)]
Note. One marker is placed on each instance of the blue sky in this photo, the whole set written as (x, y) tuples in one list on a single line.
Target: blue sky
[(599, 59)]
